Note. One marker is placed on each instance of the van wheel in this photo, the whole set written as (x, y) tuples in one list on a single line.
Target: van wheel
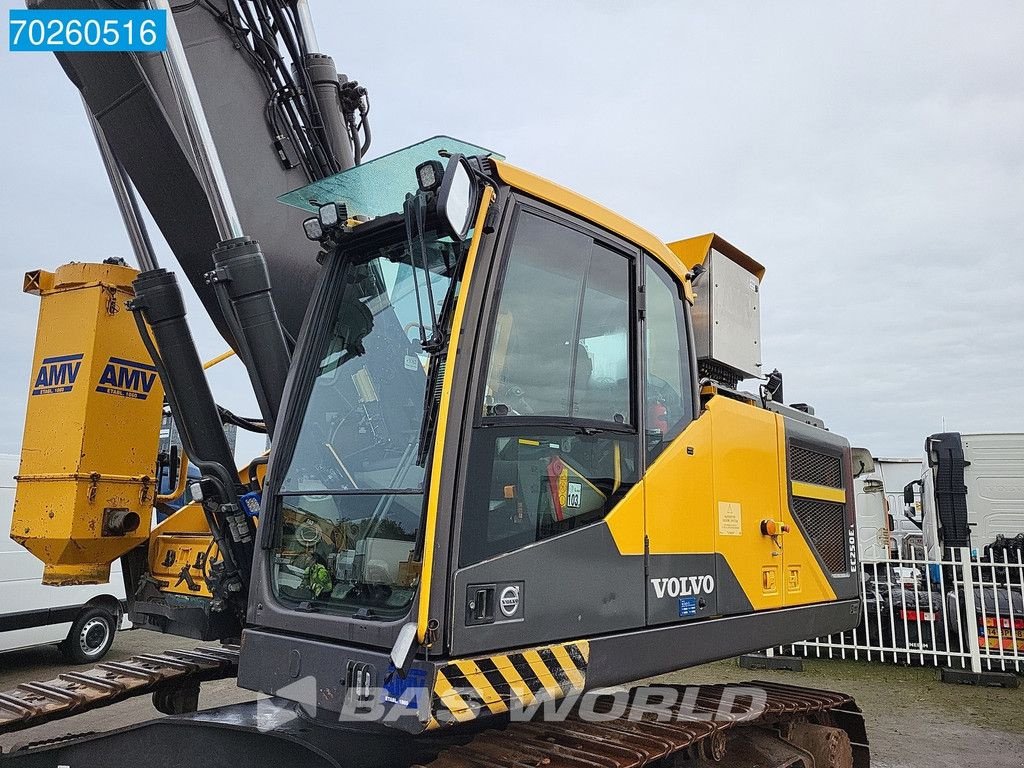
[(90, 637)]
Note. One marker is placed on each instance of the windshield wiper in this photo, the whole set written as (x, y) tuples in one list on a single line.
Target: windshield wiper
[(415, 220), (366, 614)]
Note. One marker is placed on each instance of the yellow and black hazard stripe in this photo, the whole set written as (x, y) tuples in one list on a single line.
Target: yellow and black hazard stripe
[(465, 689)]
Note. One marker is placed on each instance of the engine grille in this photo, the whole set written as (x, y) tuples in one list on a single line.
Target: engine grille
[(807, 466), (723, 374), (825, 525)]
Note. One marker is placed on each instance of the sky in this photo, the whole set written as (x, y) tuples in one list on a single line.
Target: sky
[(869, 154)]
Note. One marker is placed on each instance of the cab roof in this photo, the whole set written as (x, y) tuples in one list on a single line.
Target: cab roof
[(680, 256)]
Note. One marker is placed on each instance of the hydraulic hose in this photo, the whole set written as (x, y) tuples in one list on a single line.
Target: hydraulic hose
[(242, 283)]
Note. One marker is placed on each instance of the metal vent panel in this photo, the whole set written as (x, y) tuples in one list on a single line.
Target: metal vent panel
[(824, 522), (807, 466)]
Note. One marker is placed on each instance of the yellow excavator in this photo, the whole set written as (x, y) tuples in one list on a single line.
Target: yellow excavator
[(510, 467)]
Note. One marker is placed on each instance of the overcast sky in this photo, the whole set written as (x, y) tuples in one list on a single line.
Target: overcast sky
[(871, 155)]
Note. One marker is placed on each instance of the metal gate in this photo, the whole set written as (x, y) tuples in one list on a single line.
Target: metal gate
[(958, 613)]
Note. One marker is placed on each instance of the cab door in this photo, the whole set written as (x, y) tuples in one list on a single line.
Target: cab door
[(554, 443)]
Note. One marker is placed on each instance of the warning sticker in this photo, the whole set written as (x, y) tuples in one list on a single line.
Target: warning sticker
[(730, 519)]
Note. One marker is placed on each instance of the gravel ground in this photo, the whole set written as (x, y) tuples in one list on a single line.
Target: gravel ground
[(913, 720)]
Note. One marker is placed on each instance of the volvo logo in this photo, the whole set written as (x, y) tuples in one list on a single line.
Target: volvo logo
[(684, 586), (508, 601)]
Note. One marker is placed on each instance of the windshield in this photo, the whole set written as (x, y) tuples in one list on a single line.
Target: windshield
[(352, 497)]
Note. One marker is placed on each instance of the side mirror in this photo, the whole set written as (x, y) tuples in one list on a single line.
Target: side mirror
[(908, 493), (456, 198), (909, 503), (404, 650), (862, 460)]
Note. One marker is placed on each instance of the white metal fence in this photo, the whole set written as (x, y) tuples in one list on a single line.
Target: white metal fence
[(957, 613)]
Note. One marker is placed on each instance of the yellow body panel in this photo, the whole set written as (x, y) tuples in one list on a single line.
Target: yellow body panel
[(189, 519), (626, 521), (680, 493), (709, 491), (747, 477), (86, 489), (185, 534), (173, 555), (822, 492)]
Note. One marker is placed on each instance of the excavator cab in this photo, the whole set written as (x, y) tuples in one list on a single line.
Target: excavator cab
[(498, 468)]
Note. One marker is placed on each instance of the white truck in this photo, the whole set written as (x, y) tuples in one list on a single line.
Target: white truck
[(972, 495), (878, 494), (81, 620)]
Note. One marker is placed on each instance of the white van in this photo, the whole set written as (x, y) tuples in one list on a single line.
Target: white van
[(82, 620)]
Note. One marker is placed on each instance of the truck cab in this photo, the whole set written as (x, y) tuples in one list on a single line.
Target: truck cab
[(972, 495)]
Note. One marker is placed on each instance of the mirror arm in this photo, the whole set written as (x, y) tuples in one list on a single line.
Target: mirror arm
[(914, 520)]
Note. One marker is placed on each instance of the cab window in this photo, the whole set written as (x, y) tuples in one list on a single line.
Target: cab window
[(560, 352), (668, 400)]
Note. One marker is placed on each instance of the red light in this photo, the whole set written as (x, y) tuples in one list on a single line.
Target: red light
[(918, 615)]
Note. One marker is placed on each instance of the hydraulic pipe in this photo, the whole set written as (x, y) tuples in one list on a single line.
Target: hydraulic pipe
[(323, 74), (158, 297), (306, 25)]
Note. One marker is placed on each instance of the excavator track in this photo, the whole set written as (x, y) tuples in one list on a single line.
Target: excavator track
[(793, 727), (711, 725), (164, 674)]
